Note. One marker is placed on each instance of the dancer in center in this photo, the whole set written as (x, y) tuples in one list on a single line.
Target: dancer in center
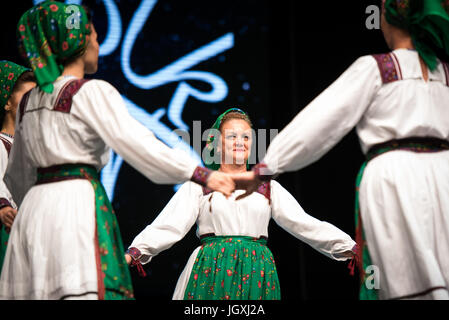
[(233, 261)]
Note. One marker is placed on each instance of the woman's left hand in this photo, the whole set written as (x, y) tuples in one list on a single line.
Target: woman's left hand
[(128, 259)]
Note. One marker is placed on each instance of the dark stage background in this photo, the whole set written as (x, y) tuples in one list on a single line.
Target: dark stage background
[(270, 58)]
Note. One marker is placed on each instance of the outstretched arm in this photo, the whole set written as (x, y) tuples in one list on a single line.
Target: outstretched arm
[(320, 125), (170, 226), (101, 106), (320, 235)]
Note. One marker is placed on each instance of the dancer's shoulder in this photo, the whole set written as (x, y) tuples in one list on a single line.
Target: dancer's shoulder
[(99, 83)]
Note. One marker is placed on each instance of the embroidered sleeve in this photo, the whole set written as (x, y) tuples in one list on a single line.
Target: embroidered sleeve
[(200, 175), (136, 254)]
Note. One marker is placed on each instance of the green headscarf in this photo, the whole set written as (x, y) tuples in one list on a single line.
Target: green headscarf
[(212, 140), (427, 21), (49, 34), (9, 73)]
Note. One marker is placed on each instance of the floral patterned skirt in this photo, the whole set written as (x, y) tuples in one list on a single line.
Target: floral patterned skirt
[(233, 268)]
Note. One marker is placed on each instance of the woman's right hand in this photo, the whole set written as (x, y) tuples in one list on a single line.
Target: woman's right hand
[(222, 182), (128, 259), (247, 181), (7, 216)]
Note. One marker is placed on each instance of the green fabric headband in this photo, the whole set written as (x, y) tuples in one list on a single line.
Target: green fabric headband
[(212, 140), (49, 34), (9, 73), (427, 21)]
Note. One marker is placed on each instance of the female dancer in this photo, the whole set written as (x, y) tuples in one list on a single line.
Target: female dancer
[(399, 104), (233, 261), (69, 246), (15, 80)]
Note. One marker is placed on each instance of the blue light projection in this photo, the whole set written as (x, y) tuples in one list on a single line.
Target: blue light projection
[(177, 71)]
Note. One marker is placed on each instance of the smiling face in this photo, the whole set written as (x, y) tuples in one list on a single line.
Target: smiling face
[(236, 139)]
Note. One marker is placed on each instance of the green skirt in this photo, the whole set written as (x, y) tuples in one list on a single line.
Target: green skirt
[(233, 268)]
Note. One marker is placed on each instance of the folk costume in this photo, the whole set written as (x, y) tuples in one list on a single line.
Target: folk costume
[(233, 261), (402, 122), (69, 246)]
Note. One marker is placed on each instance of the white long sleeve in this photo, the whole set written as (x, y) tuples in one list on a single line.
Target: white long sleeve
[(83, 132), (322, 236), (324, 122), (100, 105), (20, 174), (172, 224)]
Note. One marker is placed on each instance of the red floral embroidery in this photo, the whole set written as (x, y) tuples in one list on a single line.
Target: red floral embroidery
[(200, 176), (128, 293), (4, 203), (387, 67), (54, 7), (21, 27), (65, 46), (11, 76)]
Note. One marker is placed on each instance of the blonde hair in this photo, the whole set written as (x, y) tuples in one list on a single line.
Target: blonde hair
[(235, 115)]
